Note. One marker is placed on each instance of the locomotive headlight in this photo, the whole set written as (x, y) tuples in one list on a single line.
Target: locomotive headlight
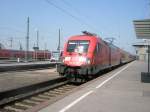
[(67, 58), (82, 59), (63, 60), (88, 61)]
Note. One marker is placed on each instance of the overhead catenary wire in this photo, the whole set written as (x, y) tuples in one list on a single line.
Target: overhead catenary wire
[(71, 15), (74, 8)]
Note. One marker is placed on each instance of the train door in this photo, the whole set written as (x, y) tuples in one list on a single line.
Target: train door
[(106, 58), (98, 54)]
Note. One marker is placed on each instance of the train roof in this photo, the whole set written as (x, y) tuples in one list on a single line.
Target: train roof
[(82, 37), (92, 36), (85, 36)]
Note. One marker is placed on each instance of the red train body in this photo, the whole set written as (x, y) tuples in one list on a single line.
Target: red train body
[(85, 55), (14, 54)]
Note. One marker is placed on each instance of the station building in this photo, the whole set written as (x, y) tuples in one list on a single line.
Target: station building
[(141, 50), (142, 30)]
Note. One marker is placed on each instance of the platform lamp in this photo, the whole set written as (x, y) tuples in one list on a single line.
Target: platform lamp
[(142, 29)]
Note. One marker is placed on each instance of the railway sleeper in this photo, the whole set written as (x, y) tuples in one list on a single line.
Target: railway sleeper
[(55, 92), (37, 99), (50, 94), (16, 108), (23, 105), (32, 102), (10, 108), (19, 107), (44, 96), (29, 103)]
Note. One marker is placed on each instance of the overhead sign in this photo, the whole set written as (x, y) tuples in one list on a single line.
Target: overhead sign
[(142, 28)]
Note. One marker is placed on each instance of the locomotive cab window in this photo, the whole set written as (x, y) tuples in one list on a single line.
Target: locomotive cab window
[(79, 46)]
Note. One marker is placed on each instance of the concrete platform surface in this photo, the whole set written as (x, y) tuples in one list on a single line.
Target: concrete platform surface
[(118, 91), (13, 80), (3, 64)]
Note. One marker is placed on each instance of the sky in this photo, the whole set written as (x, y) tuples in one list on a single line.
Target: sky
[(107, 18)]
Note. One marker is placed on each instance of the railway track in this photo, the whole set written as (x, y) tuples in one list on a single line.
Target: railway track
[(31, 103), (32, 98), (36, 97)]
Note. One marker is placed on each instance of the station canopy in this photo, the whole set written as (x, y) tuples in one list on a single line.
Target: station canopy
[(142, 28)]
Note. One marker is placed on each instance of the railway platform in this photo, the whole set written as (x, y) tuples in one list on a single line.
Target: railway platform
[(4, 67), (13, 80), (12, 63), (120, 90)]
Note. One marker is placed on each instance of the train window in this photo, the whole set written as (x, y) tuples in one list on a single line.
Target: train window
[(80, 46)]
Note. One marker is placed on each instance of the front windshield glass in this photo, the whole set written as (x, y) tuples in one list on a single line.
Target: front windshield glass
[(79, 46)]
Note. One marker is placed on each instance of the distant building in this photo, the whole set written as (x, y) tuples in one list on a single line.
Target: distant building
[(141, 50)]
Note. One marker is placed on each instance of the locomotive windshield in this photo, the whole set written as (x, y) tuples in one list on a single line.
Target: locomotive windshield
[(79, 46)]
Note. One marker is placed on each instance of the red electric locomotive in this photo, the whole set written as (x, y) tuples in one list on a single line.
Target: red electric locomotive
[(85, 55)]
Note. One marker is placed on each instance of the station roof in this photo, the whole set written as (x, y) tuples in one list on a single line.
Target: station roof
[(142, 28), (140, 44)]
